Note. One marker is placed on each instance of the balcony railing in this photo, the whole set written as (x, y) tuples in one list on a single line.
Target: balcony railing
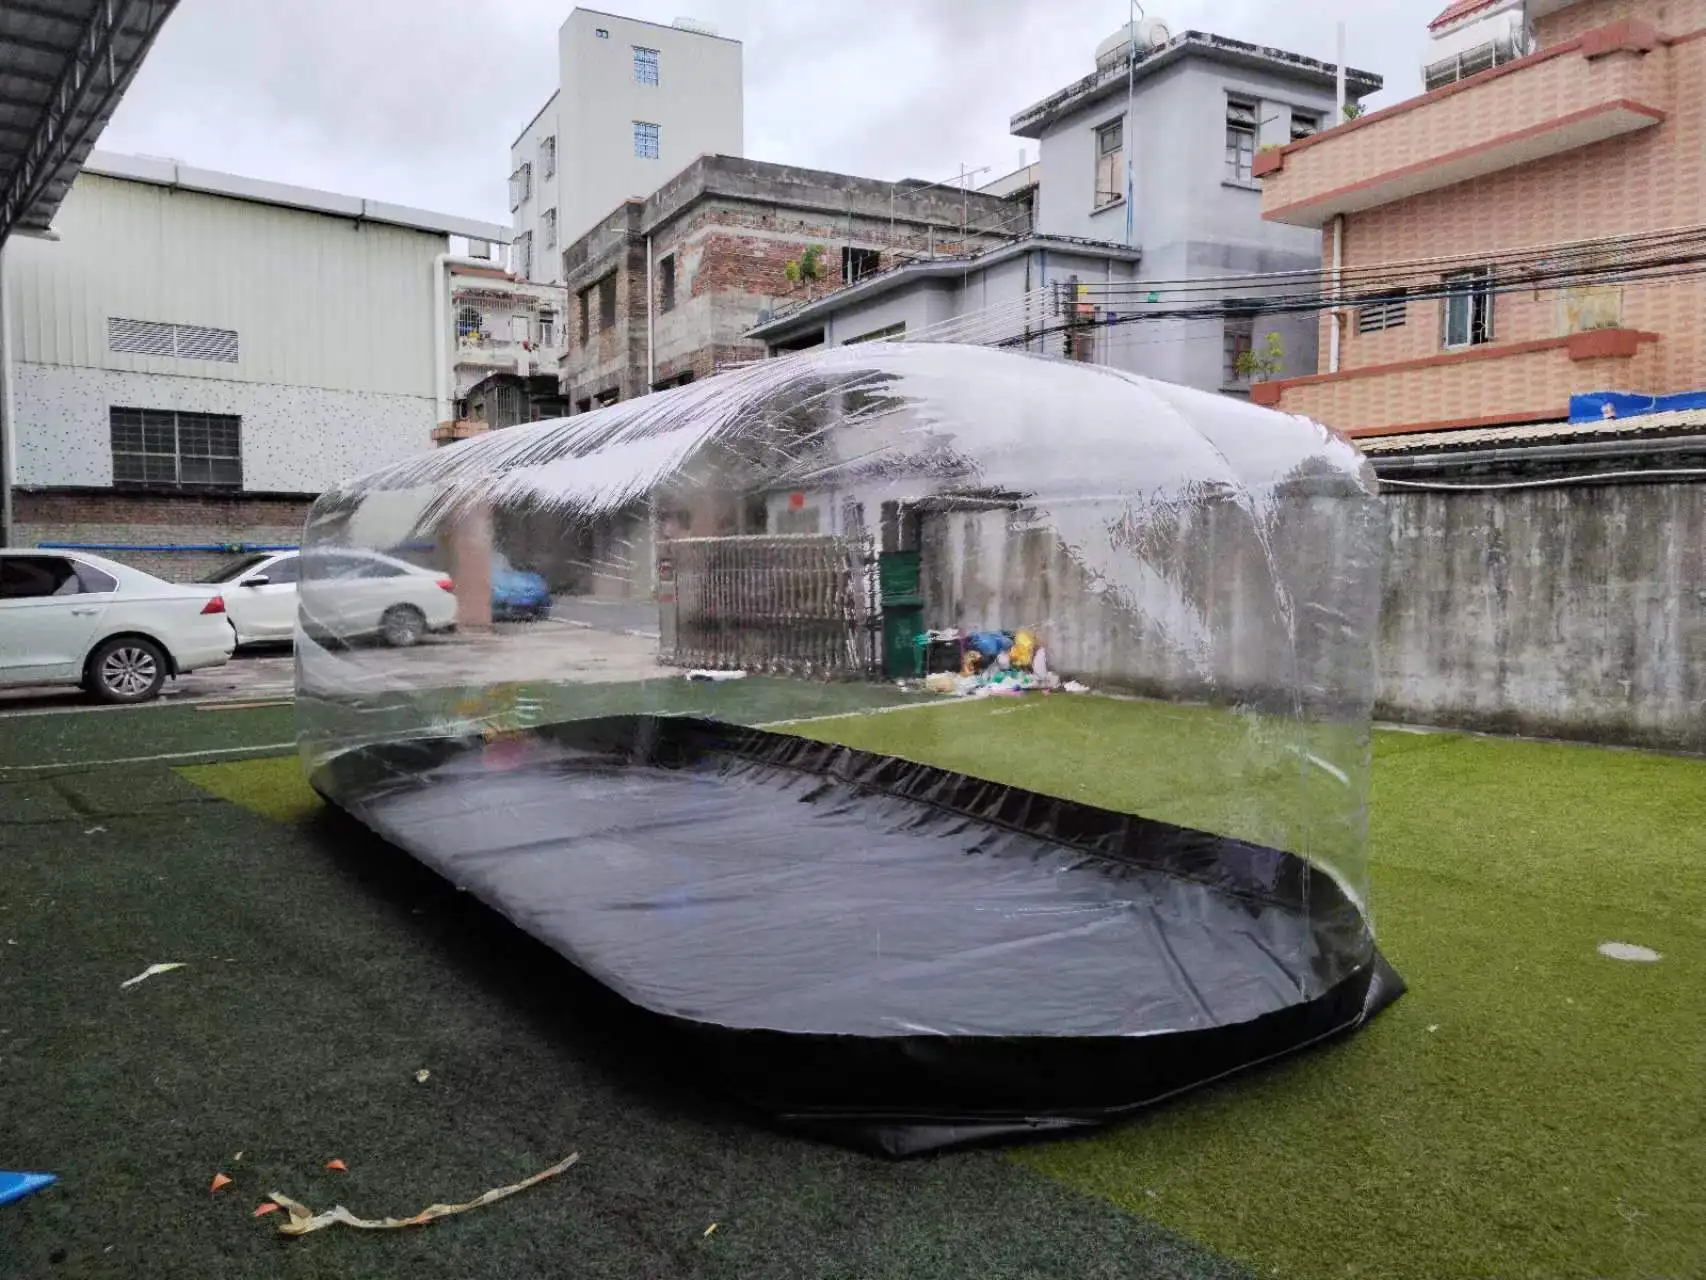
[(1597, 86)]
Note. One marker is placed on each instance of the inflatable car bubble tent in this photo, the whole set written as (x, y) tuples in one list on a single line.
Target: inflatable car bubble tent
[(952, 744)]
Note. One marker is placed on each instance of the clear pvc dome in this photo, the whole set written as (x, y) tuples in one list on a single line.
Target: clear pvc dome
[(881, 693)]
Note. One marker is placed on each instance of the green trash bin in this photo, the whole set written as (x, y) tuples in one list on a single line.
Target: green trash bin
[(897, 577), (902, 625)]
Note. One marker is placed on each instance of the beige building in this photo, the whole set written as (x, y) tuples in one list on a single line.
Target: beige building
[(1489, 233)]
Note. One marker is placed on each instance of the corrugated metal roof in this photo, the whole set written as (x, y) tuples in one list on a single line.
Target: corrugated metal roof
[(169, 173), (1647, 424), (64, 65)]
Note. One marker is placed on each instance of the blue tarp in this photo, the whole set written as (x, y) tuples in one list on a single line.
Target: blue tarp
[(15, 1186), (1591, 407)]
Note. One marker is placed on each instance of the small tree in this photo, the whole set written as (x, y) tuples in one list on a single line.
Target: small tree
[(1353, 110), (1261, 367), (807, 267)]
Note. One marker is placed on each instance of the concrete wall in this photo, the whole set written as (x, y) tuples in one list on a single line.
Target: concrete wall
[(1568, 611), (1574, 612)]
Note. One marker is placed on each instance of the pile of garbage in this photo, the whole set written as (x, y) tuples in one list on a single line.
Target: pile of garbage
[(998, 662)]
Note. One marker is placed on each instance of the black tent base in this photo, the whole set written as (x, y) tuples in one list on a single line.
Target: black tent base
[(878, 952)]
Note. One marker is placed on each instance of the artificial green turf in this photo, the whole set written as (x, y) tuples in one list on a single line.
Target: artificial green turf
[(117, 733), (1529, 1109), (323, 970)]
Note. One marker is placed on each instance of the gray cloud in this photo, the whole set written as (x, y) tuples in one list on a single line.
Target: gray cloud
[(416, 101)]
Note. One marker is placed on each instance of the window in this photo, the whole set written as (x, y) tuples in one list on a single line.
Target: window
[(524, 255), (645, 65), (586, 313), (231, 570), (282, 572), (1468, 309), (520, 186), (607, 398), (548, 157), (1381, 311), (607, 303), (601, 33), (1240, 139), (548, 228), (666, 283), (646, 140), (1238, 339), (886, 334), (1305, 124), (185, 341), (37, 577), (92, 581), (856, 264), (547, 328), (1110, 164), (470, 324), (179, 450)]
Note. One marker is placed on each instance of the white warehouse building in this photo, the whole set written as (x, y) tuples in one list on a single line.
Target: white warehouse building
[(191, 357), (636, 103)]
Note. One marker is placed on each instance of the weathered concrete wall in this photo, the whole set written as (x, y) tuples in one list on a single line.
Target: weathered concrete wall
[(1199, 617), (1576, 612)]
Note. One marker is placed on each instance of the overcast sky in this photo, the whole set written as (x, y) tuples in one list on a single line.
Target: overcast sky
[(417, 101)]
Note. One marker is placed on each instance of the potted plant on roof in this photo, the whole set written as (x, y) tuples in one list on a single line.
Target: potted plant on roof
[(807, 268)]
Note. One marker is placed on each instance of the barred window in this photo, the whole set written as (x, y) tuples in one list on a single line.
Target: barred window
[(646, 141), (176, 450), (1240, 139), (548, 157), (645, 65), (520, 185)]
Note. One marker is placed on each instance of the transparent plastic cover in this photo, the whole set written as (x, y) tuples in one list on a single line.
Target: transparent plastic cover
[(1027, 594)]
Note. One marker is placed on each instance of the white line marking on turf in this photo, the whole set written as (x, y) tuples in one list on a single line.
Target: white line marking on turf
[(169, 755), (854, 715)]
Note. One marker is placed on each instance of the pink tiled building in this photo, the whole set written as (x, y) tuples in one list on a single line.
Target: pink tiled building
[(1465, 223)]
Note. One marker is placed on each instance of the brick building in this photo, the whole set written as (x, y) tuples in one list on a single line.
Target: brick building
[(715, 244), (1468, 221)]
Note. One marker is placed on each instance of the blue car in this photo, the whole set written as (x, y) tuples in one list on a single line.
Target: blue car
[(518, 593)]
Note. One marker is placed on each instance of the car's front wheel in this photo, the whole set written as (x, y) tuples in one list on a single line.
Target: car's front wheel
[(127, 669), (403, 625)]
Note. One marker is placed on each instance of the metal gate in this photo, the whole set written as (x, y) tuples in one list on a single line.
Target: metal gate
[(798, 604)]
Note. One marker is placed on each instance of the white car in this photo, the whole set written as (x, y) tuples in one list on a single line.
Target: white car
[(71, 618), (355, 595)]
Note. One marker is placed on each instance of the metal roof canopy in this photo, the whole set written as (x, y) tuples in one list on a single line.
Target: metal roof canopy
[(64, 65)]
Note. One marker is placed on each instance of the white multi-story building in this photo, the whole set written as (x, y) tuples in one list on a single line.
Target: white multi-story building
[(193, 356), (636, 103)]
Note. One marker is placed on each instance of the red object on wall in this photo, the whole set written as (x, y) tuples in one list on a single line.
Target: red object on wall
[(796, 501)]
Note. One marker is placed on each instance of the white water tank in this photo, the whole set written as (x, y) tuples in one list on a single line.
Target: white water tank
[(1148, 34), (695, 26)]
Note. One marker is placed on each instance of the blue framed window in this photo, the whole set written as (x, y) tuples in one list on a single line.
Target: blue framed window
[(645, 140), (645, 65)]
